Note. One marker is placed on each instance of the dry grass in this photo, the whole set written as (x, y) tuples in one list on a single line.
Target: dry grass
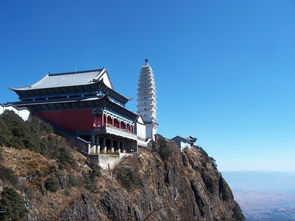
[(24, 161)]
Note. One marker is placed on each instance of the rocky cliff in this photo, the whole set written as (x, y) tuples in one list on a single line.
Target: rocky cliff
[(42, 177), (160, 183)]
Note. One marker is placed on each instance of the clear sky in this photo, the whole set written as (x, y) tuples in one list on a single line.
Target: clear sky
[(224, 69)]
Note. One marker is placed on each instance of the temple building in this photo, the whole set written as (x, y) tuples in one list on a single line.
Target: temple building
[(147, 100), (85, 107), (85, 104), (183, 143)]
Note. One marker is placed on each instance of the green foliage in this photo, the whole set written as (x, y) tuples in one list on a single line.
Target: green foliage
[(96, 171), (90, 178), (73, 181), (65, 156), (52, 184), (128, 178), (5, 134), (1, 153), (89, 182), (12, 204), (38, 126), (35, 135), (7, 176), (238, 214), (56, 148)]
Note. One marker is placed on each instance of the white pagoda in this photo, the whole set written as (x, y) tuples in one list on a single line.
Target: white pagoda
[(147, 100)]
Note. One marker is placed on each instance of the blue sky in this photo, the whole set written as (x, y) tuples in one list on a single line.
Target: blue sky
[(224, 69)]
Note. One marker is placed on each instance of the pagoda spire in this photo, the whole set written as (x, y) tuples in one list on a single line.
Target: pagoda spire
[(147, 100)]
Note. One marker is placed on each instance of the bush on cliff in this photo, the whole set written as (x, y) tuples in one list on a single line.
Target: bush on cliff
[(35, 135), (7, 176), (1, 154), (56, 148), (128, 178), (52, 184), (73, 181), (12, 204), (238, 214), (91, 177)]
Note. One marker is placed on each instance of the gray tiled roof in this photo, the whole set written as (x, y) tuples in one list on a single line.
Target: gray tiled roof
[(66, 79)]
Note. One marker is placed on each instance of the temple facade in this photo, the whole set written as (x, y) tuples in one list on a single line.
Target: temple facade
[(84, 107), (147, 100), (85, 104)]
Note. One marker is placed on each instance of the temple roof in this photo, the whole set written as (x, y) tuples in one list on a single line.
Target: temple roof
[(68, 83), (68, 79), (191, 140)]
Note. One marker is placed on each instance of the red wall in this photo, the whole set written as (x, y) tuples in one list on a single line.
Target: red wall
[(72, 119)]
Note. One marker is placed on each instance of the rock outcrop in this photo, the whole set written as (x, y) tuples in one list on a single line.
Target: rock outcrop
[(160, 183)]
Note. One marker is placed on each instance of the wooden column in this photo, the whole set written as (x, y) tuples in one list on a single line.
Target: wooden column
[(104, 145), (112, 145), (97, 145), (102, 120), (92, 143)]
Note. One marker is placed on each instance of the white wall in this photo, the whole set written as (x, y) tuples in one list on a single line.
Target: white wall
[(23, 113), (184, 145), (141, 129), (109, 161)]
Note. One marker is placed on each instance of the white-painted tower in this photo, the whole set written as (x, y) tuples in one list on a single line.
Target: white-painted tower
[(147, 100)]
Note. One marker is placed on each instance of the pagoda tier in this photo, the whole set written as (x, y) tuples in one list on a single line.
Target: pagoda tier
[(147, 100)]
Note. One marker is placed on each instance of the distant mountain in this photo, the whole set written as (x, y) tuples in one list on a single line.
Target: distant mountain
[(264, 196)]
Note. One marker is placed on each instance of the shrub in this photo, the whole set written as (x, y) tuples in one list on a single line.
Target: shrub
[(96, 171), (128, 178), (35, 135), (164, 150), (65, 156), (12, 204), (1, 153), (89, 182), (238, 214), (52, 184), (5, 134), (56, 148), (91, 176), (39, 126), (73, 181), (7, 175)]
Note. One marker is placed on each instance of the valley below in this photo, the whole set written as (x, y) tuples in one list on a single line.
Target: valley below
[(264, 196)]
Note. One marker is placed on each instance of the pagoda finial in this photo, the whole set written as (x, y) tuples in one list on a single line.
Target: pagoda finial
[(146, 61)]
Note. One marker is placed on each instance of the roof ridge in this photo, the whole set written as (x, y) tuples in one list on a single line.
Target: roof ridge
[(75, 72)]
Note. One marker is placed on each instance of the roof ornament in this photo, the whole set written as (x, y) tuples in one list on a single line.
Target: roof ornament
[(146, 61)]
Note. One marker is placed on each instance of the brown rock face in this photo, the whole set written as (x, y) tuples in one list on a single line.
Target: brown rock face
[(160, 183), (165, 184)]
